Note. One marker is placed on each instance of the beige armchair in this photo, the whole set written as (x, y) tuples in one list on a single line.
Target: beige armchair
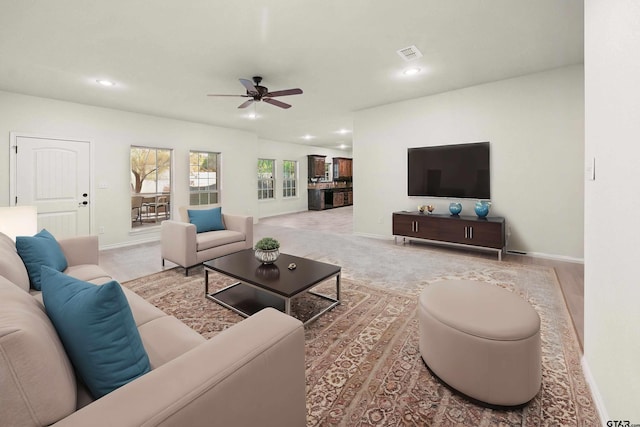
[(181, 244)]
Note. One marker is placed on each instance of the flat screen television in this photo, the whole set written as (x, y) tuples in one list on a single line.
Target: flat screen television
[(459, 170)]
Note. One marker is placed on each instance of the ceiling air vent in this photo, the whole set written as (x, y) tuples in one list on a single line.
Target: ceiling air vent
[(409, 53)]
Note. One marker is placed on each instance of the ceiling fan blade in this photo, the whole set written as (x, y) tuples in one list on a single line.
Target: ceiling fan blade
[(284, 92), (245, 104), (276, 103), (235, 96), (249, 86)]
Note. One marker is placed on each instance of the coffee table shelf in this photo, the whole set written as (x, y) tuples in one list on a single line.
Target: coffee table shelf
[(272, 285)]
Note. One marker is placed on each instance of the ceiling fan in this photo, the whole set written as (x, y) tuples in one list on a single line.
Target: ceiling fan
[(260, 93)]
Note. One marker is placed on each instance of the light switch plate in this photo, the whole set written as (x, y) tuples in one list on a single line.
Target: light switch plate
[(590, 169)]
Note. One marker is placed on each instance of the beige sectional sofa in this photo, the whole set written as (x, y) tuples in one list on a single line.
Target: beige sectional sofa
[(183, 246), (251, 374)]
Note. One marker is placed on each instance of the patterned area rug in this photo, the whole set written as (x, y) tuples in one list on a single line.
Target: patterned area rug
[(363, 367)]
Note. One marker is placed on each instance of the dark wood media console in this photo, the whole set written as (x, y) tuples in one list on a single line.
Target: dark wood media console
[(465, 231)]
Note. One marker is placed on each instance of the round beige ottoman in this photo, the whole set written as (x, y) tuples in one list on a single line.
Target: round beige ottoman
[(482, 340)]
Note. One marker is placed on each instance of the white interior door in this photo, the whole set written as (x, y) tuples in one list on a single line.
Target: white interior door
[(54, 175)]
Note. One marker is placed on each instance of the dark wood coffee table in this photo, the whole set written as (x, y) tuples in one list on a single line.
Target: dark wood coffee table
[(269, 285)]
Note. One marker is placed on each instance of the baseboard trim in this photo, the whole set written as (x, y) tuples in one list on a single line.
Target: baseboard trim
[(508, 251), (279, 214), (547, 256), (595, 393), (148, 239)]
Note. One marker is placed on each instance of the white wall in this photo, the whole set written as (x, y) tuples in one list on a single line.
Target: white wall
[(112, 132), (279, 151), (612, 283), (535, 125)]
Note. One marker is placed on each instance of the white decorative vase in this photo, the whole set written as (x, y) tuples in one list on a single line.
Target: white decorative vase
[(267, 256)]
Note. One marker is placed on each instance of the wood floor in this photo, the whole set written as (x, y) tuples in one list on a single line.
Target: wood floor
[(140, 260)]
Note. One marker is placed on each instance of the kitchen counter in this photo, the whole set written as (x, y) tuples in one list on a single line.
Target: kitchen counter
[(328, 195), (329, 185)]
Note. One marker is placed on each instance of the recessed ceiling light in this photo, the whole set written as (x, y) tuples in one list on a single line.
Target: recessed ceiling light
[(411, 71), (107, 83), (308, 137), (252, 116), (343, 131), (343, 146)]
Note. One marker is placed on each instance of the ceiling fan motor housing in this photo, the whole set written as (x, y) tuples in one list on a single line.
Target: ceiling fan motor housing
[(262, 91), (258, 93)]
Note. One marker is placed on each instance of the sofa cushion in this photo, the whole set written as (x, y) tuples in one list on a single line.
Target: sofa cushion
[(162, 350), (41, 249), (88, 273), (11, 265), (206, 219), (217, 238), (143, 312), (37, 383), (97, 328)]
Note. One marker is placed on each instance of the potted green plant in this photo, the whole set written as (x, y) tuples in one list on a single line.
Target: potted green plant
[(267, 250)]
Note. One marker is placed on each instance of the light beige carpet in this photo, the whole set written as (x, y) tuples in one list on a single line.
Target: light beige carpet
[(363, 367)]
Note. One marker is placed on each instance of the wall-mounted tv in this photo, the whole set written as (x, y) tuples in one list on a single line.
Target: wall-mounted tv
[(459, 170)]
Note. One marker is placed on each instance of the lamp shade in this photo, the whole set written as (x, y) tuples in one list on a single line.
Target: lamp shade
[(18, 221)]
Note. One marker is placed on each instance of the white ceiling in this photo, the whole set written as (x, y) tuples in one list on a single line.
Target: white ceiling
[(165, 56)]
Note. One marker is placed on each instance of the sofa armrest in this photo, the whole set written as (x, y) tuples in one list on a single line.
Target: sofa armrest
[(243, 224), (80, 250), (252, 374), (178, 242)]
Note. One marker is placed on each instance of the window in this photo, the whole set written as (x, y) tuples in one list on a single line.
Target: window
[(203, 178), (266, 182), (289, 178), (150, 185)]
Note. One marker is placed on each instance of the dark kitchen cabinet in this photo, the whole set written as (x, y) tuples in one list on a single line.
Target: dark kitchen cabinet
[(327, 198), (342, 169), (316, 165), (338, 199), (316, 200)]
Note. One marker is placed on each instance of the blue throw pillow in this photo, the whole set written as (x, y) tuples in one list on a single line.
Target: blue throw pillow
[(96, 327), (41, 249), (206, 219)]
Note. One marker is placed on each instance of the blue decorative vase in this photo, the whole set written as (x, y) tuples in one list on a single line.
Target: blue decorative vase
[(455, 208), (482, 209)]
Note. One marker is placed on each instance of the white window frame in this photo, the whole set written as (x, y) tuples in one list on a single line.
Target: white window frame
[(290, 184), (206, 192), (266, 185)]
